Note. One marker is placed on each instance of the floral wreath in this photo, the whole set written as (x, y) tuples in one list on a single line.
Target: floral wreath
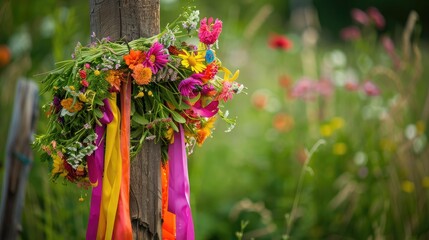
[(173, 83)]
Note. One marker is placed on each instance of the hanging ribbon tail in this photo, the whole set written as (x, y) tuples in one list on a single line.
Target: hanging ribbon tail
[(112, 175), (168, 218), (178, 189), (95, 171), (123, 229)]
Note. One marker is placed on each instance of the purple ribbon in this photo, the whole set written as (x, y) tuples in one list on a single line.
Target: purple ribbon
[(95, 171), (178, 187)]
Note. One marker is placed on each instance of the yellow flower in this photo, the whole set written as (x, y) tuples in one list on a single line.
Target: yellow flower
[(195, 62), (387, 145), (150, 93), (337, 123), (227, 76), (169, 135), (82, 97), (420, 125), (58, 166), (139, 95), (407, 186), (326, 130), (202, 134), (339, 148), (425, 182), (97, 73)]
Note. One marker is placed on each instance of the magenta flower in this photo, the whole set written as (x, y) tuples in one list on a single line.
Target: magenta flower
[(350, 33), (208, 111), (190, 86), (156, 58), (370, 89), (360, 16), (209, 31), (324, 87), (208, 90), (376, 17), (389, 46)]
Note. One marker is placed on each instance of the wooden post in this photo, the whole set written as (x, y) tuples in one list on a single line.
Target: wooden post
[(131, 19), (18, 159)]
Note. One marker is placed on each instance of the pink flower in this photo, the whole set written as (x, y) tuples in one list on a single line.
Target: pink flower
[(84, 83), (304, 89), (370, 89), (324, 87), (209, 31), (227, 93), (390, 49), (190, 86), (376, 17), (156, 58), (87, 66), (360, 16), (350, 33), (208, 90)]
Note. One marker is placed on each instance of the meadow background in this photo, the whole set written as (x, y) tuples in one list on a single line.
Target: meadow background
[(358, 99)]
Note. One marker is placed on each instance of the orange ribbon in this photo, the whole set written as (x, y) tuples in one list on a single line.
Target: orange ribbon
[(169, 219), (123, 229)]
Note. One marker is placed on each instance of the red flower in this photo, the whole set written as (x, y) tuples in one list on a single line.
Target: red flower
[(279, 42), (210, 72), (350, 33), (84, 83), (82, 74)]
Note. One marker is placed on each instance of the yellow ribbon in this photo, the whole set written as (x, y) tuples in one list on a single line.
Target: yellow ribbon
[(112, 175)]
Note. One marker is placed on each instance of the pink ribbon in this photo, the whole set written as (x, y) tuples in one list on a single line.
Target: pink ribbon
[(95, 171), (178, 187)]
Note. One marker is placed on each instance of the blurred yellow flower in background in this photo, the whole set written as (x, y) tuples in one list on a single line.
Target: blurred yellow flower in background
[(337, 123), (326, 130), (339, 148), (407, 186)]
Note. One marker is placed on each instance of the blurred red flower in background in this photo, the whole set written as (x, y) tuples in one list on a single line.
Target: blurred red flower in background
[(4, 55), (280, 42)]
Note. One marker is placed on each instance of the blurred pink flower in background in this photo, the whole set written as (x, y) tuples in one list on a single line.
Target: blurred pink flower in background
[(324, 87), (389, 47), (304, 89), (280, 42), (360, 16), (370, 88), (351, 85), (350, 33), (376, 17)]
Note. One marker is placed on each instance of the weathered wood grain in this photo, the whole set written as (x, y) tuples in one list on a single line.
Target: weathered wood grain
[(131, 19)]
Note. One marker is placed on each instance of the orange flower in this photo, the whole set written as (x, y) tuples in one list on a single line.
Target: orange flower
[(114, 77), (202, 134), (70, 106), (136, 57), (4, 55), (142, 75), (283, 122)]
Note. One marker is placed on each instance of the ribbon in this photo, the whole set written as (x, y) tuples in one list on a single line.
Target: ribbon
[(112, 175), (168, 218), (178, 189), (123, 228), (95, 171)]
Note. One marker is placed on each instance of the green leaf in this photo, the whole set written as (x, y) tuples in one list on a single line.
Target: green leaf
[(173, 126), (98, 113), (139, 119), (177, 117)]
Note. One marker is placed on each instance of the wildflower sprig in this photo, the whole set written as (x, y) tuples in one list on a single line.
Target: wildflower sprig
[(173, 82)]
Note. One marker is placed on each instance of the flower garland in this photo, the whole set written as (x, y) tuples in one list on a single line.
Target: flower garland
[(173, 83)]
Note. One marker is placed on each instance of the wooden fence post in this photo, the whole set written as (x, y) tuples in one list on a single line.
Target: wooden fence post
[(131, 19), (19, 158)]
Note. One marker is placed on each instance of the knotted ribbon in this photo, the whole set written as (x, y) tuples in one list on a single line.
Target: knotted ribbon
[(95, 171), (178, 189)]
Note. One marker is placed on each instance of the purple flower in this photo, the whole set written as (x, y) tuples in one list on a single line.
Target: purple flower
[(156, 58), (190, 86), (370, 89), (57, 104), (208, 90)]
